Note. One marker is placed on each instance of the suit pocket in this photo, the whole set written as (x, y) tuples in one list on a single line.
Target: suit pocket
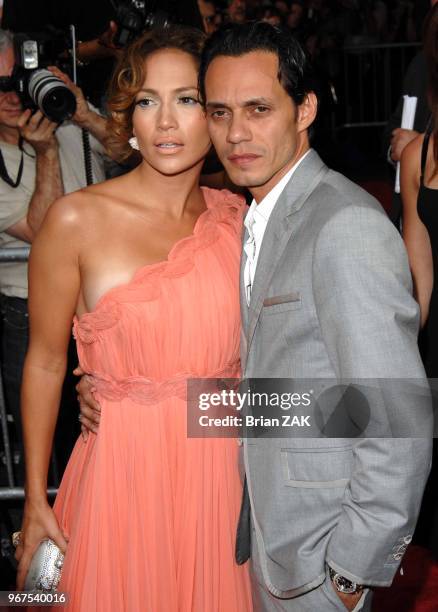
[(317, 468), (281, 303)]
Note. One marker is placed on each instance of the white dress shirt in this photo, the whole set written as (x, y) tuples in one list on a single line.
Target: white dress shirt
[(256, 221)]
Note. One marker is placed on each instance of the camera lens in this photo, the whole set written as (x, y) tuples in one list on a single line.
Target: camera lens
[(52, 96)]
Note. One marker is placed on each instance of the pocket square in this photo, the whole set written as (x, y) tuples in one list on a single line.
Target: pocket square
[(282, 299)]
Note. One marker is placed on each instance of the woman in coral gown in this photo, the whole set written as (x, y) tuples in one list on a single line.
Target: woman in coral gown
[(148, 266)]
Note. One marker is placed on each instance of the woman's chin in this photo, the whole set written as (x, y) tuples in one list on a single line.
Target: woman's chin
[(173, 166)]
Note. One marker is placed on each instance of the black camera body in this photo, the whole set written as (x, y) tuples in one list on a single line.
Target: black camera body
[(37, 87), (135, 16)]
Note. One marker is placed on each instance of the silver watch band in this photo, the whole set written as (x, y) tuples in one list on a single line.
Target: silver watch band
[(343, 584)]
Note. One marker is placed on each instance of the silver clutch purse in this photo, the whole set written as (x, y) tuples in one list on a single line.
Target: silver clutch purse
[(45, 568)]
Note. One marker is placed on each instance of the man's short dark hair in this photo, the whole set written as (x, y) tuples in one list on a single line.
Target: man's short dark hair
[(234, 40)]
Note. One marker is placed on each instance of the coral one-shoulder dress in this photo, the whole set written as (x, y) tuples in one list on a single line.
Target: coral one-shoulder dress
[(151, 513)]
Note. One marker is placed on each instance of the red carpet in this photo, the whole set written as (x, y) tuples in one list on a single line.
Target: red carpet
[(416, 590)]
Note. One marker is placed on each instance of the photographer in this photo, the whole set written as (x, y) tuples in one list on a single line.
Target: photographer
[(94, 31), (39, 162), (103, 28)]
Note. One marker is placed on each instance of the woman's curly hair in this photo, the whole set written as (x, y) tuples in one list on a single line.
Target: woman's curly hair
[(129, 76)]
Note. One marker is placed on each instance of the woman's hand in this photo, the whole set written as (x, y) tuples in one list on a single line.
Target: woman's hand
[(39, 523)]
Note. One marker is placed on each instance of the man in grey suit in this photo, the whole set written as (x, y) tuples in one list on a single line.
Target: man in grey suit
[(325, 293)]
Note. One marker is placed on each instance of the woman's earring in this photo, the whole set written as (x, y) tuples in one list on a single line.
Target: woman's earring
[(134, 143)]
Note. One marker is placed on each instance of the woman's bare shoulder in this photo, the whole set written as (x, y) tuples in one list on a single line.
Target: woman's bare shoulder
[(86, 206), (110, 188)]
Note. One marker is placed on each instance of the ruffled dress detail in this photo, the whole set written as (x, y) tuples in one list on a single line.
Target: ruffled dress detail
[(151, 513)]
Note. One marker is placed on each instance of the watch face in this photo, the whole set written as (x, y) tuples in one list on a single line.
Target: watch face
[(344, 585)]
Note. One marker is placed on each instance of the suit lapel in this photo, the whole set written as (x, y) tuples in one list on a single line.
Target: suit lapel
[(277, 234)]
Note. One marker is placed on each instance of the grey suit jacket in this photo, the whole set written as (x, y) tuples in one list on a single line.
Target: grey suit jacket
[(347, 312)]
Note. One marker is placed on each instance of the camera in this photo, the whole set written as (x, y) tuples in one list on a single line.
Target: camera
[(135, 16), (36, 86)]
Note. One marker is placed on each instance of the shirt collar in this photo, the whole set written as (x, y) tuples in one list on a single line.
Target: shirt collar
[(266, 206)]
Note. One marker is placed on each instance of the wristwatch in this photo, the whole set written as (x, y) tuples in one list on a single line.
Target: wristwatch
[(343, 585)]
